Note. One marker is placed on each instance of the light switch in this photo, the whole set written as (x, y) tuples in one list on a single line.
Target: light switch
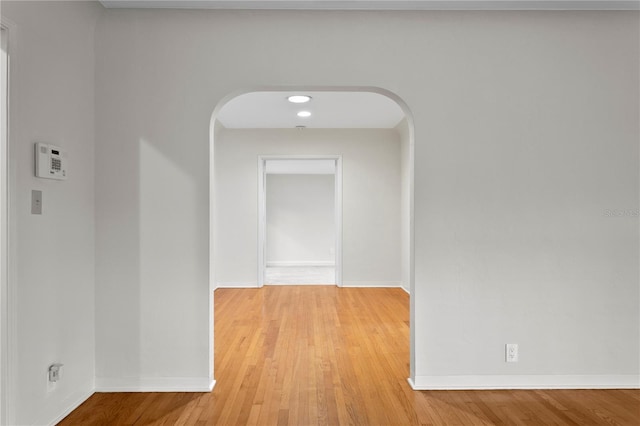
[(36, 202)]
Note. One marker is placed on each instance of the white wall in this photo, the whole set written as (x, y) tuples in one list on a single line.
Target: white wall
[(300, 218), (525, 196), (52, 285), (152, 213), (526, 130), (405, 201), (371, 213)]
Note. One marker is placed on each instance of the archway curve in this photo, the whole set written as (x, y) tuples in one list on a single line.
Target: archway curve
[(411, 244)]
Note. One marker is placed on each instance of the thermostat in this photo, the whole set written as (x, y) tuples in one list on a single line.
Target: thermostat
[(50, 162)]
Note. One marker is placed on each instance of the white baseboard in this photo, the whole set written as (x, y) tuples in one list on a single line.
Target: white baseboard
[(154, 384), (76, 401), (406, 290), (298, 284), (251, 284), (526, 382), (300, 263), (385, 284)]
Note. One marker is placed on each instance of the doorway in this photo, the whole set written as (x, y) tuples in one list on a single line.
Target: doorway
[(233, 183), (300, 220)]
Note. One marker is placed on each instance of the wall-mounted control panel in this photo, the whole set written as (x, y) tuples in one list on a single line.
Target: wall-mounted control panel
[(50, 162)]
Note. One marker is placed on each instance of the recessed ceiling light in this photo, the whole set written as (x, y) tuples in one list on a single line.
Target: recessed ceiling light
[(299, 99), (304, 114)]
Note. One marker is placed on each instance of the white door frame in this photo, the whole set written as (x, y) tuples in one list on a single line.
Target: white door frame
[(262, 210), (7, 244), (3, 225)]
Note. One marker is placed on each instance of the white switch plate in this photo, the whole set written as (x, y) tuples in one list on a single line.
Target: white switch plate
[(36, 202), (511, 352)]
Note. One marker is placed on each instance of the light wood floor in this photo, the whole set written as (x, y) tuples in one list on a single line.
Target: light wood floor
[(323, 355)]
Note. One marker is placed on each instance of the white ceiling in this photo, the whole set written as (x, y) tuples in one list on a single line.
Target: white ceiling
[(380, 4), (333, 110)]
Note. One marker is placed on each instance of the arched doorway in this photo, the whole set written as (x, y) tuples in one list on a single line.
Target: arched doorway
[(407, 188)]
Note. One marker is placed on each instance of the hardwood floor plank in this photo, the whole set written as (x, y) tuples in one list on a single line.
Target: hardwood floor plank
[(322, 355)]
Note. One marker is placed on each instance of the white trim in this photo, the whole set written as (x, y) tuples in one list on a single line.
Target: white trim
[(298, 284), (212, 274), (630, 381), (371, 284), (411, 249), (8, 290), (406, 290), (4, 102), (337, 205), (262, 219), (249, 284), (154, 384), (211, 354), (75, 404), (378, 4), (299, 263)]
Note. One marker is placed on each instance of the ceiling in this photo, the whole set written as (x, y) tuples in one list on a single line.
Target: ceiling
[(332, 110), (380, 4)]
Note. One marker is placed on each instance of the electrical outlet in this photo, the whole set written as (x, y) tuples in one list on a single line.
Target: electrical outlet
[(511, 352), (54, 374)]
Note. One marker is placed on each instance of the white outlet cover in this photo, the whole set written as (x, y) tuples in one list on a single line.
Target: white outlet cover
[(511, 352)]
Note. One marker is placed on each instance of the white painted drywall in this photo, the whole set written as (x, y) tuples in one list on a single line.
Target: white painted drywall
[(300, 219), (526, 182), (294, 166), (52, 282), (152, 213), (371, 213), (526, 132), (405, 201)]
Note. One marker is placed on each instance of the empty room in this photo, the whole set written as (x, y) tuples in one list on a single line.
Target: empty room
[(167, 258)]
